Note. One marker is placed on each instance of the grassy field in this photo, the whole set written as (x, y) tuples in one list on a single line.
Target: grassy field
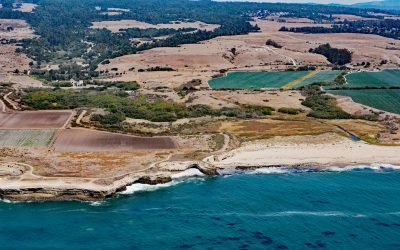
[(385, 78), (256, 80), (383, 99), (272, 80), (322, 76), (25, 137)]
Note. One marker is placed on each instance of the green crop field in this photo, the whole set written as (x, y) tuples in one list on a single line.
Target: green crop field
[(385, 78), (322, 76), (25, 137), (256, 80), (383, 99)]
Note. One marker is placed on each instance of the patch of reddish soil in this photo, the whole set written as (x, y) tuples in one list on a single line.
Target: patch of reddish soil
[(86, 140), (34, 119)]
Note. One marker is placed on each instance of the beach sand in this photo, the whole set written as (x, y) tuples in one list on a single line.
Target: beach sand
[(323, 150)]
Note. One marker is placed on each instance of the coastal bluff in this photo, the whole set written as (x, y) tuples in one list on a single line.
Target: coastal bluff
[(19, 181)]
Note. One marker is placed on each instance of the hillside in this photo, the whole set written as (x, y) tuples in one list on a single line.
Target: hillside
[(386, 4)]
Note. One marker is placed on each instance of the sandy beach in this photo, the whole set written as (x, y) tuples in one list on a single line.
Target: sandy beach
[(323, 150)]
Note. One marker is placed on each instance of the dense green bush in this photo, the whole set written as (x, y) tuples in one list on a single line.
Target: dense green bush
[(290, 111), (120, 85), (140, 107), (334, 55), (323, 106), (108, 119)]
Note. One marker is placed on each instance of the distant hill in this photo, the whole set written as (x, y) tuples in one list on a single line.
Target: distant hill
[(386, 4)]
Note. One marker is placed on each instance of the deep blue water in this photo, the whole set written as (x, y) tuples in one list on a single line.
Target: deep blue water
[(357, 209)]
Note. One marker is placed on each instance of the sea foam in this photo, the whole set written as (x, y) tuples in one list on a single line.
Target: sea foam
[(310, 169), (139, 187)]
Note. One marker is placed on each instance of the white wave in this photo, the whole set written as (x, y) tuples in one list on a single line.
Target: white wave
[(374, 167), (296, 213), (394, 213), (270, 170), (139, 187), (191, 172), (97, 203), (7, 201), (284, 170), (321, 214)]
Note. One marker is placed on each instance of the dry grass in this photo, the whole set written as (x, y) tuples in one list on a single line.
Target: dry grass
[(10, 61), (26, 7), (202, 60), (22, 30), (366, 130), (115, 26), (266, 128)]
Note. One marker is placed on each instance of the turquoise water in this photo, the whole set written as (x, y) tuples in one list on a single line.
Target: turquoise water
[(298, 209)]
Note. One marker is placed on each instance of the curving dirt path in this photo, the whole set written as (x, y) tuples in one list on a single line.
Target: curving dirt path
[(3, 106), (11, 102)]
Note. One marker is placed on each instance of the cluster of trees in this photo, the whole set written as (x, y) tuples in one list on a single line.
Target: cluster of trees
[(153, 32), (386, 28), (125, 86), (314, 12), (290, 111), (157, 68), (272, 43), (323, 106), (65, 34), (65, 72), (140, 108), (334, 55)]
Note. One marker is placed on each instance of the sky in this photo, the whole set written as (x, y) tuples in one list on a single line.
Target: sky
[(307, 1)]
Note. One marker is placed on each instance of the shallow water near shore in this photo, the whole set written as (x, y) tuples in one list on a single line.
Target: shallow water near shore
[(352, 208)]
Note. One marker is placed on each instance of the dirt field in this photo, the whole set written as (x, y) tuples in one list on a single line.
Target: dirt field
[(26, 7), (10, 60), (20, 81), (84, 140), (218, 99), (342, 17), (202, 60), (34, 119), (115, 26), (22, 30)]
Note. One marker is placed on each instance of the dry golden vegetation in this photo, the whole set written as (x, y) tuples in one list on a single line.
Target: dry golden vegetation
[(202, 60), (115, 26)]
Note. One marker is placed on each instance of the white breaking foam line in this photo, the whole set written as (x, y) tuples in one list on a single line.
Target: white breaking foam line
[(138, 187), (191, 172)]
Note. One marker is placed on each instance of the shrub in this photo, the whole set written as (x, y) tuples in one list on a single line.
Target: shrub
[(274, 44), (290, 111), (323, 106)]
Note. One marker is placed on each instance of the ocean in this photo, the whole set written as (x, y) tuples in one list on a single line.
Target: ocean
[(352, 208)]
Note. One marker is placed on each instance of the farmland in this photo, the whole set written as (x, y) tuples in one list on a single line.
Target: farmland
[(256, 80), (322, 76), (25, 137), (385, 78), (90, 140), (260, 80), (383, 99), (34, 119)]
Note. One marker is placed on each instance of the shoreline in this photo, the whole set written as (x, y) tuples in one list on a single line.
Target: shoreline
[(42, 194), (325, 152)]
